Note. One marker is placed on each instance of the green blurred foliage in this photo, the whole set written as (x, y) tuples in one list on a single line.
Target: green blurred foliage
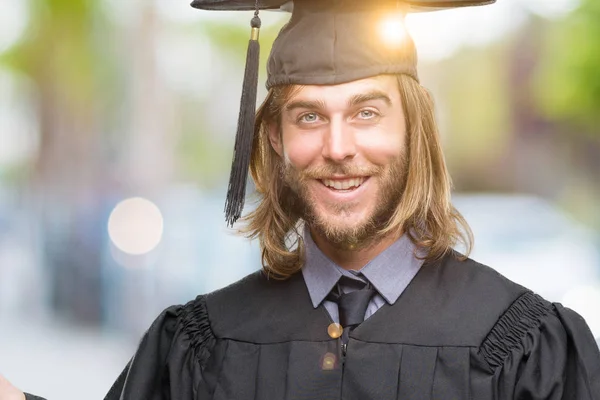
[(60, 48), (474, 105), (568, 80)]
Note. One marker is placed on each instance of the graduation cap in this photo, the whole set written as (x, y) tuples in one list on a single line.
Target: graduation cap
[(325, 42)]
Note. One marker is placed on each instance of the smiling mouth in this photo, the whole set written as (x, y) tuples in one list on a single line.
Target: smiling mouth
[(344, 185)]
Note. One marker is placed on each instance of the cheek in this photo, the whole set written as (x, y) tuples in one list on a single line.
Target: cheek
[(385, 142), (383, 148), (302, 149)]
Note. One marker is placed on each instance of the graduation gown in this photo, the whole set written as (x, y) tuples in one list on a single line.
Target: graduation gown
[(459, 331)]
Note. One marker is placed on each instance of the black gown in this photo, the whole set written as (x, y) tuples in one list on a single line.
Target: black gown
[(459, 331)]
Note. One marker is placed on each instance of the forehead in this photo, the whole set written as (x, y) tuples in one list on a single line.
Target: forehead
[(387, 84)]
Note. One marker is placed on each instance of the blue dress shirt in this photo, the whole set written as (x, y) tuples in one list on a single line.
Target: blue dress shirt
[(389, 273)]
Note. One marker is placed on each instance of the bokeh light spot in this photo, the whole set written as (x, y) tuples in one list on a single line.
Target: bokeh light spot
[(392, 30), (135, 226), (328, 362)]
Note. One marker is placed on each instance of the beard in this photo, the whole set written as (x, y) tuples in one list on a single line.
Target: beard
[(302, 203)]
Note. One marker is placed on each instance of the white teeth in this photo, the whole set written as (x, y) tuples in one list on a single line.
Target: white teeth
[(344, 184)]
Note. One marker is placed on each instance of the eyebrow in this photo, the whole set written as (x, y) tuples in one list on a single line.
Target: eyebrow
[(352, 102), (308, 104), (369, 96)]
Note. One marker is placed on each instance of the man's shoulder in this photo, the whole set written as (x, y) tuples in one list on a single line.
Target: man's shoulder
[(257, 286), (485, 297), (475, 287), (466, 277), (262, 309), (455, 301)]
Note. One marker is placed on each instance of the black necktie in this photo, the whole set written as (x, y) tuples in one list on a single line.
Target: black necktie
[(353, 305)]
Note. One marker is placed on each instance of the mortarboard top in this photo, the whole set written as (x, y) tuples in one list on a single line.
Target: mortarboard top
[(326, 42), (416, 5)]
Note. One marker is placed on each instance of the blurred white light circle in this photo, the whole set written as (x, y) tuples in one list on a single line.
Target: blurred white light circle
[(135, 226), (585, 300), (13, 22), (392, 30)]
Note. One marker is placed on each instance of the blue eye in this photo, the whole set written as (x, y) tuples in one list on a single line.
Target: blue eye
[(308, 117), (366, 114)]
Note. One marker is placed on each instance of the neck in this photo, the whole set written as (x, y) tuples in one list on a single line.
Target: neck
[(353, 258)]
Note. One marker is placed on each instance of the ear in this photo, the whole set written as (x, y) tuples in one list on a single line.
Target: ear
[(275, 138)]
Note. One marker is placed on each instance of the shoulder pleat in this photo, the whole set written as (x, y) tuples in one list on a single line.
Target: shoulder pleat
[(196, 325), (523, 316)]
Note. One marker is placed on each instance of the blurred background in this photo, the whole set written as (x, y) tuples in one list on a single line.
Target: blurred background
[(117, 124)]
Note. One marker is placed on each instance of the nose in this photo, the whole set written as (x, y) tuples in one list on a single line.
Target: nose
[(340, 142)]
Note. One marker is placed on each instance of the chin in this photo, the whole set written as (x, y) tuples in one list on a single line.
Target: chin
[(341, 224)]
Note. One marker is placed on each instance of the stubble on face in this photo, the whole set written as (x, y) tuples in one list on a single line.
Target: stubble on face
[(392, 182)]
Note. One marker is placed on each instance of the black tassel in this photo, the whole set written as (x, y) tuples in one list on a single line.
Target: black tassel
[(245, 130)]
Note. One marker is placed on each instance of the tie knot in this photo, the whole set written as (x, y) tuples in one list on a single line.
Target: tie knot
[(353, 304)]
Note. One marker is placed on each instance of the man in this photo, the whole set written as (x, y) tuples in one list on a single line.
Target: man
[(361, 295)]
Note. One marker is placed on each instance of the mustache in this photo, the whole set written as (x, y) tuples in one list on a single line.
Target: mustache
[(329, 170)]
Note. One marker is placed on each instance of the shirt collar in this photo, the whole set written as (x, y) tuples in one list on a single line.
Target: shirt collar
[(320, 273), (393, 269), (389, 273)]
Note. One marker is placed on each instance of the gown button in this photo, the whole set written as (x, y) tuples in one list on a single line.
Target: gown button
[(335, 330)]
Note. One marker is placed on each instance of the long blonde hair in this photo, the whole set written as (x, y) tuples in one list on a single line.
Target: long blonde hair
[(424, 212)]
